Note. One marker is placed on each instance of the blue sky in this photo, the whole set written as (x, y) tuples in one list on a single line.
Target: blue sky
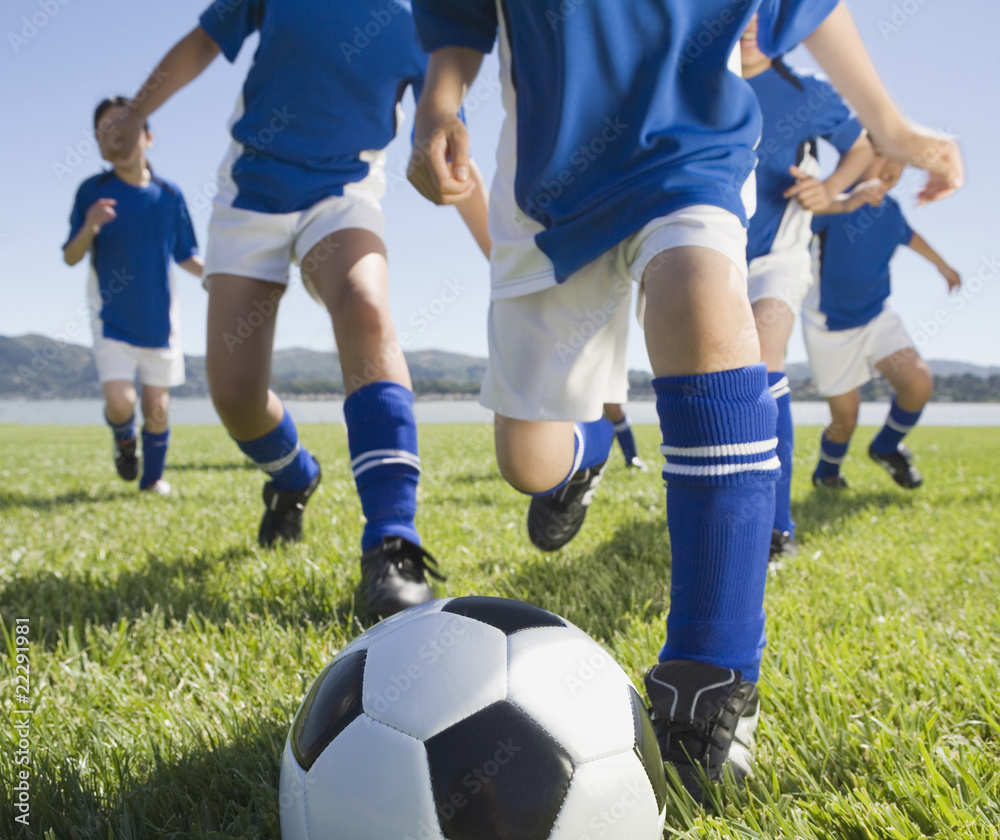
[(58, 58)]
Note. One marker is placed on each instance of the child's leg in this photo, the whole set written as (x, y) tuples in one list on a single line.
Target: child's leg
[(238, 367), (119, 414), (775, 319), (836, 438), (718, 423), (717, 418), (155, 433), (347, 270), (914, 384), (624, 435)]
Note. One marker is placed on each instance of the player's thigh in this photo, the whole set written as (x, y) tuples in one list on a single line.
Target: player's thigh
[(692, 268), (242, 314)]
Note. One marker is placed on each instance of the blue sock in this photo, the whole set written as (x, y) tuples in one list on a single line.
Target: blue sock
[(122, 431), (718, 438), (591, 447), (154, 456), (382, 435), (279, 454), (830, 456), (777, 382), (626, 440), (897, 426)]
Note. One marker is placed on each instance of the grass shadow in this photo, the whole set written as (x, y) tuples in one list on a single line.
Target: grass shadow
[(219, 790), (227, 467), (821, 507), (12, 499), (200, 585), (601, 590)]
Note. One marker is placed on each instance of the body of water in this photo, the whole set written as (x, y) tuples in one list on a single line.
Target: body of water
[(200, 412)]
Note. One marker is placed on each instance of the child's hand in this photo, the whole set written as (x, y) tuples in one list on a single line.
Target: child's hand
[(810, 192), (951, 276), (867, 192), (938, 155), (100, 213), (439, 163)]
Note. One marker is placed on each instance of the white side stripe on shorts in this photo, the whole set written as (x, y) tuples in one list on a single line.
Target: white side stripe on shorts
[(281, 463), (780, 388), (379, 457), (723, 451)]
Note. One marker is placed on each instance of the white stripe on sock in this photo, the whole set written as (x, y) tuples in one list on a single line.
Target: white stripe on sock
[(722, 469), (380, 453), (723, 451), (380, 462), (281, 463), (892, 424), (823, 456), (780, 388)]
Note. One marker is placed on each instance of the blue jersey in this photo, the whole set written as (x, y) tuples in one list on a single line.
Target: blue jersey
[(854, 250), (131, 255), (322, 91), (624, 112), (797, 107)]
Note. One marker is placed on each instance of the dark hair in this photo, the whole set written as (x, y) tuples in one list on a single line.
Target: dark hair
[(114, 102)]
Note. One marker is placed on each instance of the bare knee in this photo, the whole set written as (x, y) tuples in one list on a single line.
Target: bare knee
[(918, 389), (534, 456), (156, 409)]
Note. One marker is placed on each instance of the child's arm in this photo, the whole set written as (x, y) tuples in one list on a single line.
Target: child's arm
[(439, 164), (475, 211), (193, 265), (98, 215), (182, 64), (816, 195), (837, 46), (867, 192), (952, 277)]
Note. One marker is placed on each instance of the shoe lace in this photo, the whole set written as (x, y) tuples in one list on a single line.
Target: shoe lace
[(411, 559)]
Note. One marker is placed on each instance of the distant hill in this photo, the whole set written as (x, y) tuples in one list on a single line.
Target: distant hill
[(37, 367)]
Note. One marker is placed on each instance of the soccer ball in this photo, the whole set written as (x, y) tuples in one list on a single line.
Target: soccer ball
[(472, 719)]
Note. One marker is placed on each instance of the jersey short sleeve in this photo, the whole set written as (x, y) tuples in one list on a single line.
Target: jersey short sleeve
[(230, 22), (186, 244), (456, 23), (903, 230), (834, 121), (783, 24)]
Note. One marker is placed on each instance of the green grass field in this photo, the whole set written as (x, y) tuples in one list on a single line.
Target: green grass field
[(168, 654)]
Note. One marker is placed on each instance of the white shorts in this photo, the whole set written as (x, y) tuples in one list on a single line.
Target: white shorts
[(262, 246), (781, 275), (160, 367), (842, 360), (559, 353)]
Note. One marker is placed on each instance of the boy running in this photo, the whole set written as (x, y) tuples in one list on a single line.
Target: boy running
[(302, 182), (625, 154), (797, 108), (850, 331), (133, 222)]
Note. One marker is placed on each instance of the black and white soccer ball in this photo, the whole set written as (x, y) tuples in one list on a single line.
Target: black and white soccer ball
[(472, 719)]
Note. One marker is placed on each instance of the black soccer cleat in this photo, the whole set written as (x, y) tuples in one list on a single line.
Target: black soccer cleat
[(393, 576), (705, 719), (830, 482), (554, 519), (783, 544), (126, 461), (282, 519), (899, 465)]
